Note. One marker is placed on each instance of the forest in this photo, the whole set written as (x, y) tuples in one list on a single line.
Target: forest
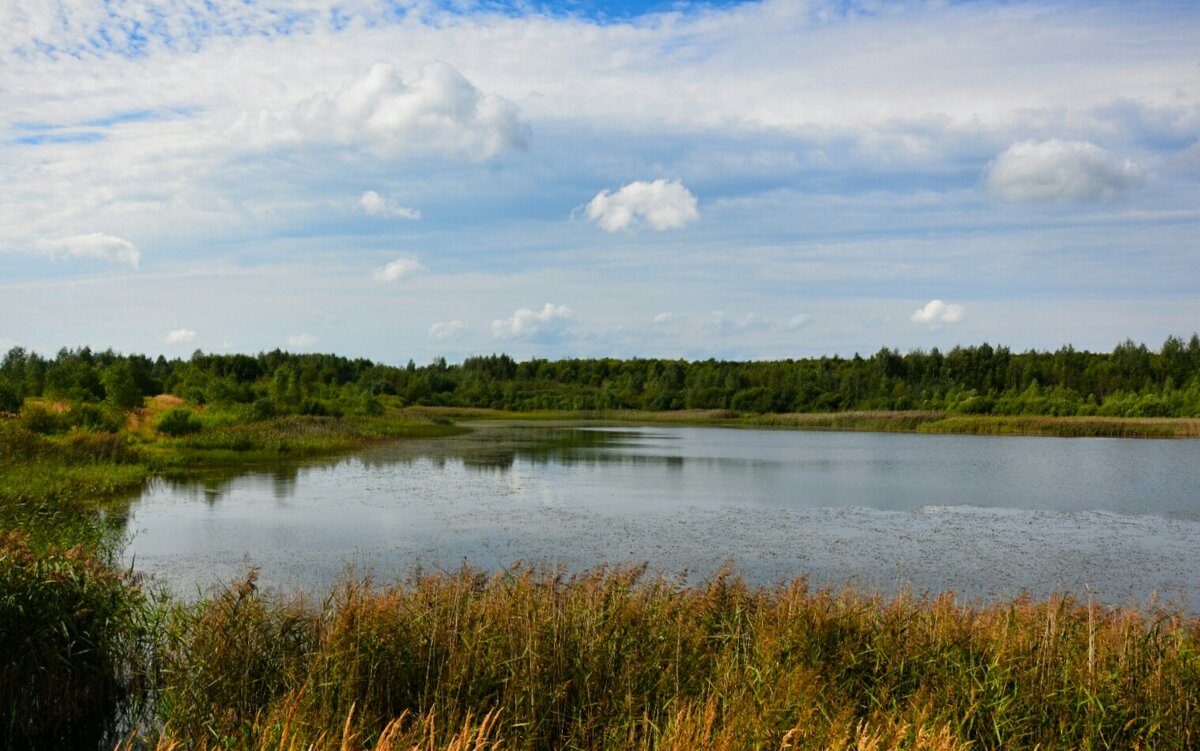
[(1130, 381)]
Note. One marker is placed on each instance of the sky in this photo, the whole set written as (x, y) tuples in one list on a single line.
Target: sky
[(739, 180)]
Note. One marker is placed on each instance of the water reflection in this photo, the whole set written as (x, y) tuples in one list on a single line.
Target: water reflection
[(984, 516), (211, 485), (492, 450)]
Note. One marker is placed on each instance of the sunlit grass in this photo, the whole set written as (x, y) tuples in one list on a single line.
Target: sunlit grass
[(614, 660)]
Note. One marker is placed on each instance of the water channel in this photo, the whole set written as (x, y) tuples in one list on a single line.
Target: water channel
[(987, 517)]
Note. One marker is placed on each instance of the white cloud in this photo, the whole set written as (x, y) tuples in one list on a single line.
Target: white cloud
[(445, 330), (724, 323), (798, 321), (666, 317), (1055, 171), (661, 205), (523, 323), (95, 245), (179, 336), (374, 204), (936, 312), (301, 341), (721, 321), (440, 111), (401, 268)]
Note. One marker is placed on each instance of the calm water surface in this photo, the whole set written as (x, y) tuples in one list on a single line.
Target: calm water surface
[(985, 516)]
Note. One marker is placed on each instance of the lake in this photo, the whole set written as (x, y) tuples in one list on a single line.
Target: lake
[(987, 517)]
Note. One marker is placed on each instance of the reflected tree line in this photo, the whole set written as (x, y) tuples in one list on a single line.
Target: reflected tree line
[(1132, 380)]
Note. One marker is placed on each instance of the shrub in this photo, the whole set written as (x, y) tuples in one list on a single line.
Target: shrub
[(98, 447), (368, 405), (10, 397), (69, 647), (178, 422), (319, 408), (95, 418), (40, 419), (261, 409)]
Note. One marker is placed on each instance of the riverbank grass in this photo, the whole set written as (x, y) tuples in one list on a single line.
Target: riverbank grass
[(909, 421), (612, 659)]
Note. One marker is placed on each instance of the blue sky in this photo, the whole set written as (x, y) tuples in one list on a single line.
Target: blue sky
[(774, 179)]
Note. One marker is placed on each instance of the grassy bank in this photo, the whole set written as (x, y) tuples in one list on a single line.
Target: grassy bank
[(912, 421), (286, 438), (77, 634), (529, 660), (613, 660)]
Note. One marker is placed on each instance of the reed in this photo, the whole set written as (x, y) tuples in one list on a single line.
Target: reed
[(877, 421), (1065, 427), (72, 642), (612, 659)]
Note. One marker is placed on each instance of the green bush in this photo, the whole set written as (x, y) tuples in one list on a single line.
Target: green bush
[(260, 409), (10, 397), (95, 418), (93, 448), (319, 408), (40, 419), (178, 422), (366, 405), (69, 647)]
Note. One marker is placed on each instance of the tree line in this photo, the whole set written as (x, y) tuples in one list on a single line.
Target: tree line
[(1132, 380)]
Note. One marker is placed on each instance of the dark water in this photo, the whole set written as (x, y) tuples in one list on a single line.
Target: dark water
[(987, 517)]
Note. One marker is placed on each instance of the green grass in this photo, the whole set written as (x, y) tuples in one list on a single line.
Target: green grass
[(913, 421), (286, 438), (1065, 427), (880, 422)]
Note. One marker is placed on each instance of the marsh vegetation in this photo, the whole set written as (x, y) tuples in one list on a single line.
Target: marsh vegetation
[(535, 658)]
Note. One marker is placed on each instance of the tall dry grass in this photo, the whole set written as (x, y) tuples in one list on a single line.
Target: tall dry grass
[(615, 660)]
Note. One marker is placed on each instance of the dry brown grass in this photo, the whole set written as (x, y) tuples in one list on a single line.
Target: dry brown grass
[(610, 660)]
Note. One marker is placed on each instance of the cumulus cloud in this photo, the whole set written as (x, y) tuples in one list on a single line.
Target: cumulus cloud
[(374, 204), (179, 336), (440, 111), (936, 312), (301, 341), (525, 323), (1057, 171), (398, 269), (444, 330), (96, 245), (660, 205)]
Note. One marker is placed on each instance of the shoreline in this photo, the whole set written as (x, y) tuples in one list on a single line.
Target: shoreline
[(942, 423)]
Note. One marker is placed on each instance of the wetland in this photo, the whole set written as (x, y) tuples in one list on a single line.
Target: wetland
[(988, 517)]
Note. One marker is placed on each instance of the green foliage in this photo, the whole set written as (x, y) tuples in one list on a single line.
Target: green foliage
[(10, 397), (178, 421), (70, 656), (1131, 381), (43, 420), (120, 387), (96, 418), (260, 409)]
